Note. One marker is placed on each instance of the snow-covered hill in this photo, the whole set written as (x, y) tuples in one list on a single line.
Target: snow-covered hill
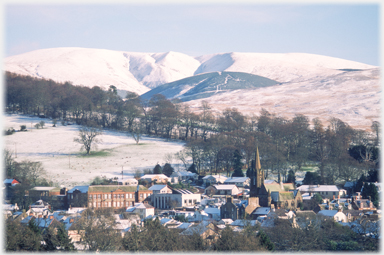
[(315, 85), (138, 72)]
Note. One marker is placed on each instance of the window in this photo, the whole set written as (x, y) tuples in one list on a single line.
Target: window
[(90, 196), (126, 195), (130, 195), (141, 195), (109, 204), (98, 196), (114, 195), (118, 204), (98, 204), (145, 195), (190, 201), (105, 196), (94, 196), (90, 204), (185, 201), (94, 204), (109, 196), (114, 204)]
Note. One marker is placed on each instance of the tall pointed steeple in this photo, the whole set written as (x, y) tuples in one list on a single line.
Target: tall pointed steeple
[(257, 159)]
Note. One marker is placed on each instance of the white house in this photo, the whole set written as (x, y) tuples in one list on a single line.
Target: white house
[(240, 182), (337, 215), (326, 191), (176, 198), (213, 179), (176, 177), (160, 188), (142, 209)]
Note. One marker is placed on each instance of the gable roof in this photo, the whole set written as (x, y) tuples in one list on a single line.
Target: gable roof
[(157, 187), (236, 179), (82, 189), (224, 187), (318, 188)]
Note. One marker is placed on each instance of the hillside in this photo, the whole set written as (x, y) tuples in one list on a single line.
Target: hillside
[(209, 84), (315, 85)]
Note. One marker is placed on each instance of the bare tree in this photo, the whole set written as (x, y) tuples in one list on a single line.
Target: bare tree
[(87, 138), (137, 131)]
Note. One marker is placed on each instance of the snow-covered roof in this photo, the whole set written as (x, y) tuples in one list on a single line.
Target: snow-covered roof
[(262, 210), (82, 189), (236, 179), (150, 176), (225, 187), (212, 210), (318, 188), (157, 187), (329, 213)]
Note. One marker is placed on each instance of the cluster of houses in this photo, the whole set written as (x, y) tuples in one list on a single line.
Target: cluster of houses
[(220, 202)]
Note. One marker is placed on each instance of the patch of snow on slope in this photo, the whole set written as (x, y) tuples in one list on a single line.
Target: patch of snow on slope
[(353, 97), (60, 155)]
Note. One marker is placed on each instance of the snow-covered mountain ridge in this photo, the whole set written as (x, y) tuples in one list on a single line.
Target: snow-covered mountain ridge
[(139, 72), (313, 85)]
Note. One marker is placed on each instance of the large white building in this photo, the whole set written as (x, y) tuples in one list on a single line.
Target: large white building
[(174, 198)]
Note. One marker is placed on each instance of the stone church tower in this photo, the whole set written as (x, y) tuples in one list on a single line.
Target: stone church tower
[(257, 188)]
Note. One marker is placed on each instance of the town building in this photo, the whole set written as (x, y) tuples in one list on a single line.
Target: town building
[(116, 196)]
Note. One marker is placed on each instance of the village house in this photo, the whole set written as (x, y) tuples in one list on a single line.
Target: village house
[(240, 182), (222, 190), (207, 230), (116, 196), (336, 215), (213, 179), (127, 181), (155, 178), (142, 209), (177, 177), (326, 191)]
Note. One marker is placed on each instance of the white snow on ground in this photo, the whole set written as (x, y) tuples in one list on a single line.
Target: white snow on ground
[(353, 97), (63, 161)]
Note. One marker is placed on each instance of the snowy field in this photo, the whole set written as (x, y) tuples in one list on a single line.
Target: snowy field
[(66, 165)]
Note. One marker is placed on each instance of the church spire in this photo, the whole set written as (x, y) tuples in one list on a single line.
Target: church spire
[(257, 159)]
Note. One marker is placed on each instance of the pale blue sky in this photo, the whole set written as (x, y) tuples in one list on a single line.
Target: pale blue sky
[(344, 30)]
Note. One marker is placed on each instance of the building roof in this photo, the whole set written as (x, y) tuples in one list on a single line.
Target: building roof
[(82, 189), (212, 210), (236, 179), (318, 188), (112, 188), (224, 187), (329, 213), (262, 210), (46, 188), (150, 176), (182, 191), (157, 187)]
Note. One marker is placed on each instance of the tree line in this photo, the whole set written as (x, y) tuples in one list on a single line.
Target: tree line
[(215, 141)]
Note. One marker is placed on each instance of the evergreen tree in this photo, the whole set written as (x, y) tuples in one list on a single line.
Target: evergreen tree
[(192, 168), (291, 177), (168, 169), (370, 190), (237, 164), (157, 169)]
